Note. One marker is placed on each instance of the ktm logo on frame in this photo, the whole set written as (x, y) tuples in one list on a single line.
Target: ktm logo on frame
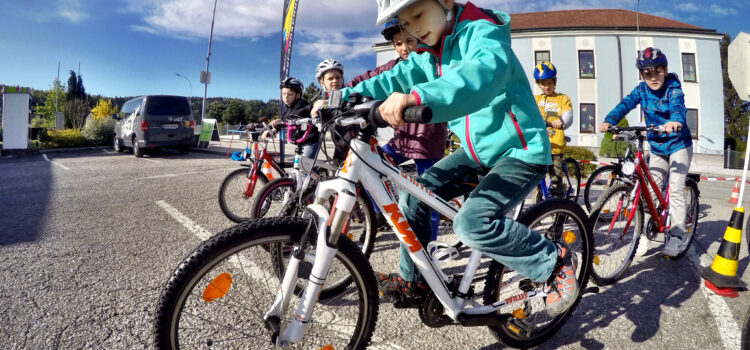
[(403, 227)]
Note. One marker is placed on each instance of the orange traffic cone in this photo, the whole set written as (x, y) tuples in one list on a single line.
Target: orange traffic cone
[(735, 191), (721, 277), (266, 170)]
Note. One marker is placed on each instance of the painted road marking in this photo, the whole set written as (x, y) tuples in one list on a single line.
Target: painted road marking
[(54, 162), (729, 331), (150, 160)]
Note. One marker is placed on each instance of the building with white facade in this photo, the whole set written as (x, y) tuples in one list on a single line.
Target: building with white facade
[(594, 52)]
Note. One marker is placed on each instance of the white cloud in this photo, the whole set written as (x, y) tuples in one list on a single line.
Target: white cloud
[(719, 11), (72, 10), (687, 7)]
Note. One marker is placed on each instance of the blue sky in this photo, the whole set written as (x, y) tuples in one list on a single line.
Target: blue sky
[(135, 47)]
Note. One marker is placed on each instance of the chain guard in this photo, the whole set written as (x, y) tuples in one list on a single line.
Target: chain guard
[(431, 312)]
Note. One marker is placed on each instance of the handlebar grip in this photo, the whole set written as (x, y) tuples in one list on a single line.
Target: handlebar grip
[(418, 114), (414, 114)]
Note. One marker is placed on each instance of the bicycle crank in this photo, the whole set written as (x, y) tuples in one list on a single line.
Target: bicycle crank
[(431, 312)]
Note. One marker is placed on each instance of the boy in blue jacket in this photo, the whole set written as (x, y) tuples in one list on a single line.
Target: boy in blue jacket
[(663, 103), (468, 75)]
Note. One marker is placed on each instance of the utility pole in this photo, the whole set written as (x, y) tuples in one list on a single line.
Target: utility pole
[(206, 76)]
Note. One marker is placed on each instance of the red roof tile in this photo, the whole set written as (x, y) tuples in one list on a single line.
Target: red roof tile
[(600, 19)]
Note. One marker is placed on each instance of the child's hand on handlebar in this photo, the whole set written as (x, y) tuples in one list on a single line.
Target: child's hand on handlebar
[(672, 127), (604, 127), (557, 124), (393, 107), (316, 106)]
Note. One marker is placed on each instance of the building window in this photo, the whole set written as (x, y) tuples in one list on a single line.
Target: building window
[(692, 122), (541, 56), (688, 67), (588, 118), (586, 64)]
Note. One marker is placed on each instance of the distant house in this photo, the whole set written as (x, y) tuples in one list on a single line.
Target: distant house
[(594, 52)]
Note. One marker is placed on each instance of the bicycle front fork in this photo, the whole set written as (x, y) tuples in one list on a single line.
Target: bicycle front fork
[(325, 251)]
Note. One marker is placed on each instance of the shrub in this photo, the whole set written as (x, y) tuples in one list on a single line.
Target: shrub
[(610, 148), (99, 131), (580, 153), (64, 139)]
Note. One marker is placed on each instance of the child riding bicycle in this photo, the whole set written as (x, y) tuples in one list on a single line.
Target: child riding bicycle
[(557, 113), (296, 108), (663, 103), (423, 143), (468, 75)]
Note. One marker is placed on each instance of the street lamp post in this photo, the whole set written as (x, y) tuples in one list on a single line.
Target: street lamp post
[(190, 85), (205, 78)]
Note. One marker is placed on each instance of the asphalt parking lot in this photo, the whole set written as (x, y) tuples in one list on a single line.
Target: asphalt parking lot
[(88, 238)]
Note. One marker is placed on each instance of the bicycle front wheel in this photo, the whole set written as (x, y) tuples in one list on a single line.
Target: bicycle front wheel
[(219, 294), (526, 324), (235, 200), (599, 182), (572, 179), (616, 237)]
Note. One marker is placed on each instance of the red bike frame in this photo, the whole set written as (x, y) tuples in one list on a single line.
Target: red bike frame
[(260, 158)]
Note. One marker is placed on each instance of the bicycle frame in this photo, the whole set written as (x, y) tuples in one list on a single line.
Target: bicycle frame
[(259, 158), (641, 185), (545, 188), (367, 164)]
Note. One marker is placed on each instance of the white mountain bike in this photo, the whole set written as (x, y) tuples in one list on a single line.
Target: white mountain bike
[(227, 293)]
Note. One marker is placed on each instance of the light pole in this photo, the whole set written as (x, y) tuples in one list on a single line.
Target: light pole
[(205, 78), (190, 85)]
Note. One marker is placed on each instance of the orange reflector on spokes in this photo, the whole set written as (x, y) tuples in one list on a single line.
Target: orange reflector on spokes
[(327, 347), (218, 287), (596, 259), (568, 237), (519, 313)]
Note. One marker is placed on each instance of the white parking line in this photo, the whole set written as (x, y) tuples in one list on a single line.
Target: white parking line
[(149, 160), (54, 162), (248, 266), (108, 152), (158, 176), (200, 232), (729, 331)]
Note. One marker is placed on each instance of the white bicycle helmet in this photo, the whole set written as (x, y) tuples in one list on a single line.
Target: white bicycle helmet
[(388, 9), (327, 65)]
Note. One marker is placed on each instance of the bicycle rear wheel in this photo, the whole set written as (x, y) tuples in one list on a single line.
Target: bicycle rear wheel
[(599, 181), (572, 180), (233, 201), (219, 293), (615, 246), (526, 324)]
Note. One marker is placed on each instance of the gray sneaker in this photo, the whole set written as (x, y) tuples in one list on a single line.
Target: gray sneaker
[(672, 248)]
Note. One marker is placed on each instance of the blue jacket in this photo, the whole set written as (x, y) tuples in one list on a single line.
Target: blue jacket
[(475, 83), (659, 107)]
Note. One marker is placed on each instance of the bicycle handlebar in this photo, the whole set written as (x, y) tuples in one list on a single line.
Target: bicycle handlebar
[(414, 114)]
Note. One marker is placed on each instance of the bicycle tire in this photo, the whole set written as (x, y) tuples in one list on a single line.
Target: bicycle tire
[(614, 251), (233, 202), (520, 332), (590, 196), (573, 179), (230, 251), (691, 220)]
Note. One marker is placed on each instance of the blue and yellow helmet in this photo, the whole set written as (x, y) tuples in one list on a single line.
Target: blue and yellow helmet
[(544, 70)]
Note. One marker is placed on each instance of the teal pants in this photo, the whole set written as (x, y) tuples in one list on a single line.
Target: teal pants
[(481, 222)]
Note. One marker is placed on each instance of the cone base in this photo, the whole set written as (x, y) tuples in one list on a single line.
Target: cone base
[(722, 281), (725, 292)]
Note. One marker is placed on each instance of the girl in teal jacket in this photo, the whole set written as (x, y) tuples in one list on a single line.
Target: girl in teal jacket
[(466, 72)]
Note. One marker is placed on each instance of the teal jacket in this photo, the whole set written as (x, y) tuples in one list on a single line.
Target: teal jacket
[(476, 84)]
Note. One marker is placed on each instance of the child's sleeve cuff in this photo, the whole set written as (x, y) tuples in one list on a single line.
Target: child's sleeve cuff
[(417, 99)]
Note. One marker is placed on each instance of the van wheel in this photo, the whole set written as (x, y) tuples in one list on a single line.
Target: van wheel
[(184, 149), (116, 146), (137, 150)]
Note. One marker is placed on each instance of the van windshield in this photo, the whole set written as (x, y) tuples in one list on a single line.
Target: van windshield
[(167, 105)]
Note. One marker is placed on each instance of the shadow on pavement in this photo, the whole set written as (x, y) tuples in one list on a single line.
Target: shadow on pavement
[(25, 191)]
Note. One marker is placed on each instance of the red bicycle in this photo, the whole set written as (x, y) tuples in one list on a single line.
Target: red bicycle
[(618, 215), (239, 188)]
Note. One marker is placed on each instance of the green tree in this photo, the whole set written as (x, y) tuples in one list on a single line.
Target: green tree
[(234, 113), (76, 111), (736, 111), (311, 93), (75, 87), (55, 99), (611, 148), (215, 109)]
